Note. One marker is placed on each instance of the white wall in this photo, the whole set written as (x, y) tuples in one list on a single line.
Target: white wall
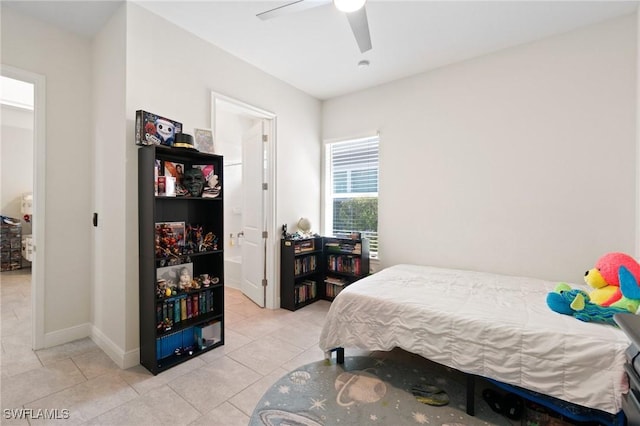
[(180, 89), (520, 162), (16, 154), (111, 291), (65, 60), (178, 83), (92, 273)]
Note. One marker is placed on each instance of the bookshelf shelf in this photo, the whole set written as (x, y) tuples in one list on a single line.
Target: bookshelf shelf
[(188, 232), (190, 323)]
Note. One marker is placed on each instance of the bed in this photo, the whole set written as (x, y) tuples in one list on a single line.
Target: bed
[(483, 324)]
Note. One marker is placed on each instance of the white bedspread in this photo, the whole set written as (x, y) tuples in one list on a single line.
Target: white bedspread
[(491, 325)]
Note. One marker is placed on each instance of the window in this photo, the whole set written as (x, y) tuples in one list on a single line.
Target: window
[(352, 189)]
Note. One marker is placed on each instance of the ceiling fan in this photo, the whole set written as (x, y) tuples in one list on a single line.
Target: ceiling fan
[(354, 10)]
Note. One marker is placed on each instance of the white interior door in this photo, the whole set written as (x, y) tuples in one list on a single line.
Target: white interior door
[(253, 214)]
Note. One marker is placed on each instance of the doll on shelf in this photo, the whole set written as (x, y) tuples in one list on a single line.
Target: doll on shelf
[(185, 279)]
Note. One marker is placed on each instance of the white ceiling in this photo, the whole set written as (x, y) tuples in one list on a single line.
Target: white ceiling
[(315, 51)]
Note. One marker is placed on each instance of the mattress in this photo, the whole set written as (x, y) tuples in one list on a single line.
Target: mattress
[(491, 325)]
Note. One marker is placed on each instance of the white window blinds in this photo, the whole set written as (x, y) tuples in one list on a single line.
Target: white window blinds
[(352, 189)]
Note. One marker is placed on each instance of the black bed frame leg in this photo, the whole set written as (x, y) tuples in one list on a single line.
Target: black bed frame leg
[(471, 383)]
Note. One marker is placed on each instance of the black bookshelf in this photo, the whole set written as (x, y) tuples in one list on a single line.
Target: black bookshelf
[(170, 334), (300, 272), (346, 261), (316, 268)]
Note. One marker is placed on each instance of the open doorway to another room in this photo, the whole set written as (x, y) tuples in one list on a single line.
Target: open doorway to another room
[(244, 136), (16, 196), (22, 207)]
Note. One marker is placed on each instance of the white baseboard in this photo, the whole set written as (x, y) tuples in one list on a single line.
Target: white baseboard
[(131, 358), (67, 335), (123, 359)]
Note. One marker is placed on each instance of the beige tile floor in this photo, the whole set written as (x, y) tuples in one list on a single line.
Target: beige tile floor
[(221, 387)]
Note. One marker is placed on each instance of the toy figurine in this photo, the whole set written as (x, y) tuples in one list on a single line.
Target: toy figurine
[(161, 287), (166, 131), (195, 284), (206, 282), (185, 279), (210, 242), (193, 181)]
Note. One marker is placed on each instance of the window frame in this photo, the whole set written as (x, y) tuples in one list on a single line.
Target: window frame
[(327, 194)]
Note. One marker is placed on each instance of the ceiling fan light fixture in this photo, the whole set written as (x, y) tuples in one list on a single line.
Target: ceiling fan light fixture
[(349, 5), (363, 64)]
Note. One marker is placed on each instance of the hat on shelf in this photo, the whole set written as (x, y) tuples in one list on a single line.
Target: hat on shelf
[(184, 140)]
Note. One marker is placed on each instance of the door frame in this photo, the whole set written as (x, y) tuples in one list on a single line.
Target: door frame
[(39, 183), (270, 197)]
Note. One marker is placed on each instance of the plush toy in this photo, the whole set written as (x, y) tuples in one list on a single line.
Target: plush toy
[(576, 303), (629, 291), (605, 277)]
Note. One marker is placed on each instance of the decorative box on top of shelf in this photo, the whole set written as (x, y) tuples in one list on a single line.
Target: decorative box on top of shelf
[(181, 259)]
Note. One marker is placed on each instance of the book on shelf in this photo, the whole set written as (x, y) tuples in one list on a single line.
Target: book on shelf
[(164, 311), (351, 247), (196, 306), (305, 265), (335, 281), (189, 307), (305, 291), (210, 298), (332, 289), (344, 264), (183, 308), (304, 246), (332, 245), (176, 311)]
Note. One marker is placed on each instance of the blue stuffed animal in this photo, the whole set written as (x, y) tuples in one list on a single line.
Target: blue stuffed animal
[(576, 303)]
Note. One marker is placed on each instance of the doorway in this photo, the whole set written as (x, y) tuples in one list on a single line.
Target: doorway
[(244, 135), (36, 159)]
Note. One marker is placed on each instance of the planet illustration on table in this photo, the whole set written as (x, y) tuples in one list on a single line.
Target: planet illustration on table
[(359, 387)]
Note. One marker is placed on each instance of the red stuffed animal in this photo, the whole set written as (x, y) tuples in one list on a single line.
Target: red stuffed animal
[(605, 280)]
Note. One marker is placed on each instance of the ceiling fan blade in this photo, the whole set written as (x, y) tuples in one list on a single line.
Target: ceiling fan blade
[(360, 27), (292, 7)]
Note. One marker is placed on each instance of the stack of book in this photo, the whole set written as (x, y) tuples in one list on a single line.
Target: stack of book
[(304, 246), (180, 308), (333, 286), (306, 291), (344, 264), (344, 246), (305, 264)]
